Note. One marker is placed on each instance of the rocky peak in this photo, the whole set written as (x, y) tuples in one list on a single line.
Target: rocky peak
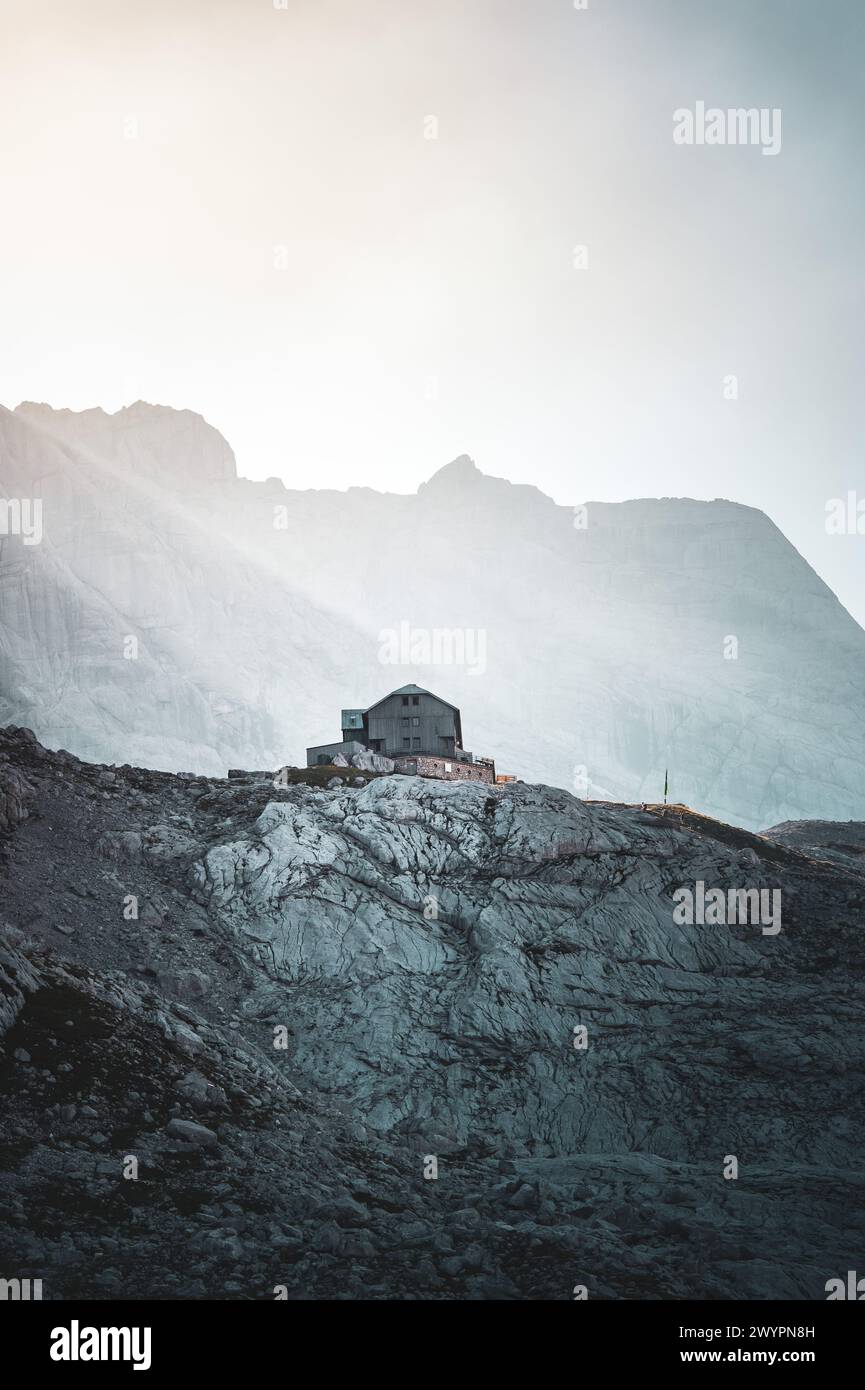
[(153, 441), (458, 472)]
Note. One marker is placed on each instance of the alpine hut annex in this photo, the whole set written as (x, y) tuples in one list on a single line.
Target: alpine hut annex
[(417, 732)]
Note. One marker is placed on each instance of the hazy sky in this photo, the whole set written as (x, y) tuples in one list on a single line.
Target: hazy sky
[(227, 206)]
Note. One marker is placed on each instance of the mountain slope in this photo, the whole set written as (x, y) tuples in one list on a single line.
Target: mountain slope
[(650, 635), (426, 952), (135, 631)]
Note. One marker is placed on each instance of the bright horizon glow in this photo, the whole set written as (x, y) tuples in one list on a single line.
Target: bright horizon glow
[(425, 304)]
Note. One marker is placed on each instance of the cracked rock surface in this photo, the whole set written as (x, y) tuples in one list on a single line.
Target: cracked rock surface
[(240, 1023)]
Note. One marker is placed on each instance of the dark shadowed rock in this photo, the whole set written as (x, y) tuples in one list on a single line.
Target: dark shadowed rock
[(191, 1133), (338, 1042)]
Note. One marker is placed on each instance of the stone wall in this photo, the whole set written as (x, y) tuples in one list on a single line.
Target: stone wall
[(448, 769)]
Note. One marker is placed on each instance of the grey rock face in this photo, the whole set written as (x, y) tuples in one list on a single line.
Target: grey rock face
[(473, 939), (450, 1041), (372, 762), (840, 842), (16, 797)]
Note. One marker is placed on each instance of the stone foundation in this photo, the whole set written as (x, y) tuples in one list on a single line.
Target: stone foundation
[(448, 769)]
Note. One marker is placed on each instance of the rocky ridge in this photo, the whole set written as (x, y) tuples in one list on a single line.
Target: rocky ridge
[(282, 1001)]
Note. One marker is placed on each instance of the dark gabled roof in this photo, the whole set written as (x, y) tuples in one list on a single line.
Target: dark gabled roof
[(411, 690)]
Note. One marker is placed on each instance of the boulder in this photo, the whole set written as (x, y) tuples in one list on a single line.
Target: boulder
[(367, 761), (189, 1132)]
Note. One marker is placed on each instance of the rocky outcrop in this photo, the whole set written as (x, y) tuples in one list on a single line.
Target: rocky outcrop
[(417, 1038), (372, 762), (473, 932), (842, 842), (16, 797)]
